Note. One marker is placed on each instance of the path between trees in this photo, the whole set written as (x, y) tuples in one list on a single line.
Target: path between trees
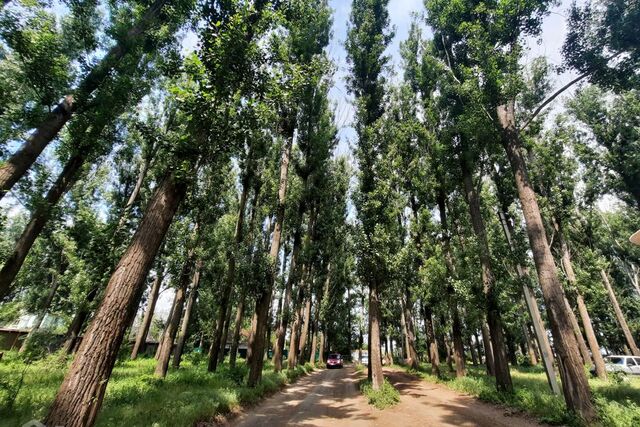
[(332, 398)]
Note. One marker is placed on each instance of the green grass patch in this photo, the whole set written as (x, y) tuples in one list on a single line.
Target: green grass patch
[(385, 397), (134, 396), (618, 403)]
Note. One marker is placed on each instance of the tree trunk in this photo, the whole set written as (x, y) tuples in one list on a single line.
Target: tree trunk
[(256, 341), (314, 331), (80, 395), (412, 353), (169, 335), (43, 311), (233, 351), (186, 318), (225, 336), (283, 322), (20, 162), (144, 168), (472, 350), (488, 349), (433, 343), (576, 387), (596, 356), (305, 331), (230, 278), (530, 350), (458, 346), (532, 306), (619, 315), (39, 218), (375, 357), (321, 346), (582, 344), (494, 318), (143, 330)]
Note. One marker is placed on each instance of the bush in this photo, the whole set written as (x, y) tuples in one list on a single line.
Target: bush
[(384, 398)]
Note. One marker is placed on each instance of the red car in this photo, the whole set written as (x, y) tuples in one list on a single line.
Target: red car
[(334, 361)]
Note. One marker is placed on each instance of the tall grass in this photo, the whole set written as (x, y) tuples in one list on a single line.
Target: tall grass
[(618, 403), (134, 396)]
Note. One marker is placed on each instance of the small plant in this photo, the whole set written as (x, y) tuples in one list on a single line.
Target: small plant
[(383, 398)]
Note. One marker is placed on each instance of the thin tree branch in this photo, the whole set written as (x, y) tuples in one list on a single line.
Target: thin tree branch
[(552, 97)]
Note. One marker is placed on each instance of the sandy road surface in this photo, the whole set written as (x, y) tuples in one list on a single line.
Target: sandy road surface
[(331, 398)]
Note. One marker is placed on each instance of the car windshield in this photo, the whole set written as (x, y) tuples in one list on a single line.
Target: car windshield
[(334, 356), (615, 360)]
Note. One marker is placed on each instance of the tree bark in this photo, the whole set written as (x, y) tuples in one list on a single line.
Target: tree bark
[(20, 162), (233, 351), (576, 387), (144, 168), (230, 278), (186, 318), (412, 353), (375, 356), (283, 322), (532, 305), (488, 349), (433, 343), (619, 315), (596, 356), (82, 391), (458, 346), (39, 218), (256, 341), (494, 318), (225, 335), (304, 334), (170, 332), (143, 330), (582, 344)]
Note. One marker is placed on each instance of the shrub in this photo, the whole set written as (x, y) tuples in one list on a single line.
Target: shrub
[(386, 397)]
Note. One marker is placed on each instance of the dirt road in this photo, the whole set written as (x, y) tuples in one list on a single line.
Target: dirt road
[(331, 398)]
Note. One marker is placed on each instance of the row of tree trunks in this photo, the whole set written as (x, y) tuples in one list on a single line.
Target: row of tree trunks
[(143, 329), (532, 305), (412, 353), (575, 385), (263, 303), (434, 356), (619, 315), (186, 318), (171, 330), (501, 364), (235, 340), (596, 356), (285, 317), (230, 280), (80, 396), (19, 163), (458, 346)]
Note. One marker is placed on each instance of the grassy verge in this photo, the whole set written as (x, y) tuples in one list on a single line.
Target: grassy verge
[(386, 397), (134, 396), (618, 402)]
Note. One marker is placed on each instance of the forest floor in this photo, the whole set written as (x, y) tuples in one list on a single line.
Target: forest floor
[(191, 395), (617, 399), (332, 398), (135, 397)]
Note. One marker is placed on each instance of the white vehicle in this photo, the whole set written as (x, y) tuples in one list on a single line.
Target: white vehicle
[(625, 364)]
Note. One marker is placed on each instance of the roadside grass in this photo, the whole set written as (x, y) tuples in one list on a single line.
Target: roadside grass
[(384, 398), (134, 396), (618, 402)]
